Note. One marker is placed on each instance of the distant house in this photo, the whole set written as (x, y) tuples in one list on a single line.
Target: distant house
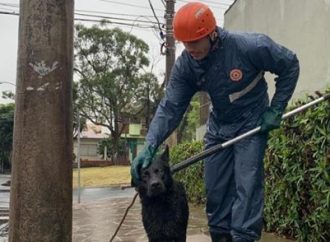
[(92, 135), (89, 140)]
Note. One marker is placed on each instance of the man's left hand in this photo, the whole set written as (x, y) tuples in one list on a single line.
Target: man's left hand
[(270, 119)]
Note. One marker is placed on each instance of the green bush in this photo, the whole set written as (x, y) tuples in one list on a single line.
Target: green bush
[(192, 177), (297, 181)]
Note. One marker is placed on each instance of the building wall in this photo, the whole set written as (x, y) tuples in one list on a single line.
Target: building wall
[(301, 25), (88, 149)]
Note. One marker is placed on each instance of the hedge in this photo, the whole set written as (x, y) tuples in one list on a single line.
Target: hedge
[(191, 176), (297, 180), (297, 175)]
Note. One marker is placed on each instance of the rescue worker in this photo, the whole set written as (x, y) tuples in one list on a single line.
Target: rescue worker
[(230, 68)]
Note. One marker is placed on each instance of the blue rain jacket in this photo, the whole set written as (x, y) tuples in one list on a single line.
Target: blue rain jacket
[(232, 75)]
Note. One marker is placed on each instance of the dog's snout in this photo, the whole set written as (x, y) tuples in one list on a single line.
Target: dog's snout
[(155, 185)]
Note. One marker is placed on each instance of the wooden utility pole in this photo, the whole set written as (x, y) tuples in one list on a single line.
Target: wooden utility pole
[(170, 55), (41, 181)]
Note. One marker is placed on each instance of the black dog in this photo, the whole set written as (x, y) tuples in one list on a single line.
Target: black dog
[(165, 209)]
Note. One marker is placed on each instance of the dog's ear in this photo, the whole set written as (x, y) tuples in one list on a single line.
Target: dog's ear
[(166, 154)]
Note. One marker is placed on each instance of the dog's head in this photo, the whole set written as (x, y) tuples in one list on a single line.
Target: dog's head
[(156, 179)]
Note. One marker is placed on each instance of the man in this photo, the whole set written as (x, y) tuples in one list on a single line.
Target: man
[(230, 68)]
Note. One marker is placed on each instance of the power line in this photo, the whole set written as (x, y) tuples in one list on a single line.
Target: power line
[(9, 13), (128, 4), (145, 26), (5, 9), (214, 4), (217, 3), (107, 17), (118, 23), (9, 5), (160, 29), (91, 11), (111, 13)]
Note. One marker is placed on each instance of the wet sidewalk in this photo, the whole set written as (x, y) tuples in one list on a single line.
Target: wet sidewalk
[(96, 221), (100, 211)]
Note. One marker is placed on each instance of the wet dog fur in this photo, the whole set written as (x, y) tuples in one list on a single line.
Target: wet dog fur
[(165, 209)]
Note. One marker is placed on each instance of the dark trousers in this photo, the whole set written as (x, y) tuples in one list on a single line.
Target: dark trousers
[(234, 180)]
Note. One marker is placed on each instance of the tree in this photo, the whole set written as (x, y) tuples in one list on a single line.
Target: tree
[(149, 94), (8, 95), (190, 122), (113, 83), (6, 134)]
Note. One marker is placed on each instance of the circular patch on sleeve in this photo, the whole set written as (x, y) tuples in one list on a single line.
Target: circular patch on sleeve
[(236, 75)]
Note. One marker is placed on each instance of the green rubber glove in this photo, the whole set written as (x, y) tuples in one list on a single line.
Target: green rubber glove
[(270, 119), (142, 160)]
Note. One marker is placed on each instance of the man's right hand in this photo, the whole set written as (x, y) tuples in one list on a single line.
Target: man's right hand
[(142, 160)]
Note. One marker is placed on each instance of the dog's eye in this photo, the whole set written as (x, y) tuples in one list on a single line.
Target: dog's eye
[(157, 171), (145, 173)]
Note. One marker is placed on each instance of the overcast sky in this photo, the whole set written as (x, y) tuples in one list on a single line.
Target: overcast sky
[(136, 10)]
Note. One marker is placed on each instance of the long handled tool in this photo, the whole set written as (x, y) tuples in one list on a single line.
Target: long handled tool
[(216, 148)]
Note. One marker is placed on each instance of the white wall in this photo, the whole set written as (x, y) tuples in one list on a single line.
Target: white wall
[(301, 25), (88, 149)]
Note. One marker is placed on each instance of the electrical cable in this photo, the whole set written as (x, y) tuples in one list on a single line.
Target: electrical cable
[(111, 13), (9, 13), (127, 4), (89, 11), (218, 5), (113, 22), (106, 17), (145, 26), (9, 5), (160, 29)]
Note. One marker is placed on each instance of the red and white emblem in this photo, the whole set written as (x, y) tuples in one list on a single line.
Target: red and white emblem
[(236, 75)]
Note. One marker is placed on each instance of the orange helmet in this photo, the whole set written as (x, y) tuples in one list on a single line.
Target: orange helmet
[(193, 21)]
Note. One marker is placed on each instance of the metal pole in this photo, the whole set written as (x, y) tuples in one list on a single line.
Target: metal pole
[(41, 178), (78, 157), (216, 148)]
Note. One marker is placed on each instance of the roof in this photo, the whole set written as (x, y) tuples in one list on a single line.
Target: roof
[(90, 134)]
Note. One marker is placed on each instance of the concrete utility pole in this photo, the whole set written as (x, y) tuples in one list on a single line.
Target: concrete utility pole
[(41, 187), (170, 55), (170, 43)]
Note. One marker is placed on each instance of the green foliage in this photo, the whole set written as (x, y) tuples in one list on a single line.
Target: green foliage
[(113, 85), (149, 94), (6, 133), (8, 95), (298, 176), (190, 122), (192, 177), (112, 149)]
